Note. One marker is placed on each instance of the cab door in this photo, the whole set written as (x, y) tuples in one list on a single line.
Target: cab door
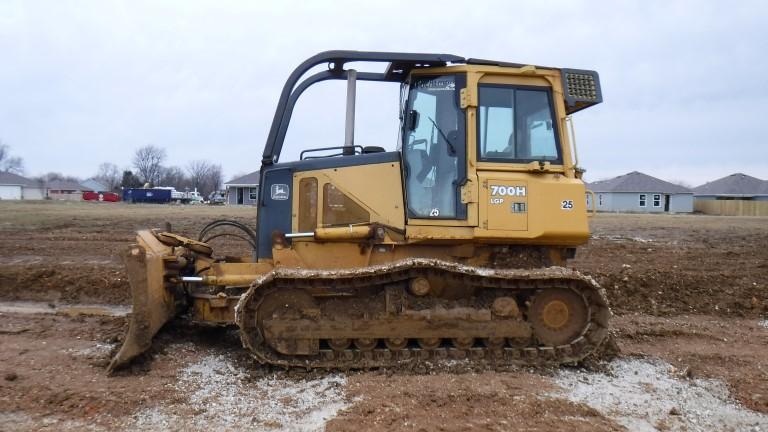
[(435, 153)]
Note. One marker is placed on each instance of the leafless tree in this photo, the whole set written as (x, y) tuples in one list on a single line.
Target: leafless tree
[(215, 178), (682, 183), (148, 162), (238, 175), (53, 176), (10, 164), (204, 176), (173, 176), (109, 175), (198, 172)]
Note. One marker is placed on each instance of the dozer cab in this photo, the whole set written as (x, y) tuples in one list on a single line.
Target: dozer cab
[(452, 247)]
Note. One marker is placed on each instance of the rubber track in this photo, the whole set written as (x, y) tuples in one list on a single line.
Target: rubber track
[(593, 335)]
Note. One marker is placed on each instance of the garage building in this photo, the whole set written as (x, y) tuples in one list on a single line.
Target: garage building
[(16, 187)]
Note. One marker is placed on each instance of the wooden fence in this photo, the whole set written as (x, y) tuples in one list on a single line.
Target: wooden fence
[(731, 207)]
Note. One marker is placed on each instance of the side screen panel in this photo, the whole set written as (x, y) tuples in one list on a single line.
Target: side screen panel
[(275, 197)]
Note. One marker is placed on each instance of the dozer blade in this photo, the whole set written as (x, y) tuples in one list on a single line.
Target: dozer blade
[(153, 303)]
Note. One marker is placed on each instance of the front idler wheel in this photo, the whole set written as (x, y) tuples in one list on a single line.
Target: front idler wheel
[(558, 316)]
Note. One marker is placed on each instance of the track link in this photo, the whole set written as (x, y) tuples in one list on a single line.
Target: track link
[(351, 281)]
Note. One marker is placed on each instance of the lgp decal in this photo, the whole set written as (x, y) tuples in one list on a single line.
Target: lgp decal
[(280, 192)]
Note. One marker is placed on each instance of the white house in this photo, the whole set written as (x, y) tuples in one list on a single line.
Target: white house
[(640, 193), (66, 190), (733, 187), (16, 187), (95, 185), (243, 190)]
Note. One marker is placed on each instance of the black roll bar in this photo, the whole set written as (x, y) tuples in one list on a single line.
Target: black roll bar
[(400, 65)]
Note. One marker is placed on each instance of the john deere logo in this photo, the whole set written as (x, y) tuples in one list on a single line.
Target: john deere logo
[(280, 192)]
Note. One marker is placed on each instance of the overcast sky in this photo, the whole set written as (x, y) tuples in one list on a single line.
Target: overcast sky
[(86, 82)]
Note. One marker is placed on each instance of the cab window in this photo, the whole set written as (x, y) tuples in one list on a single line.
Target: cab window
[(515, 124), (307, 204), (339, 209)]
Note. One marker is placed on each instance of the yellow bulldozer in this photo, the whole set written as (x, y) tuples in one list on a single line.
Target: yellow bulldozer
[(451, 247)]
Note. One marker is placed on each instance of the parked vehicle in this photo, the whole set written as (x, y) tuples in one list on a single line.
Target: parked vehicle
[(188, 197), (194, 197), (217, 198), (101, 196)]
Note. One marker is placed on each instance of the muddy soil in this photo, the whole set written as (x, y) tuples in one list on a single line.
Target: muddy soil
[(72, 251), (680, 264), (655, 264), (690, 295), (53, 378)]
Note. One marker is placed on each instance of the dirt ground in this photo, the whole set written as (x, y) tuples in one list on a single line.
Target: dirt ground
[(690, 294)]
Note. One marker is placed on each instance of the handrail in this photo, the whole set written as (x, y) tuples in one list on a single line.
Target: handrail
[(301, 155), (594, 203), (569, 120)]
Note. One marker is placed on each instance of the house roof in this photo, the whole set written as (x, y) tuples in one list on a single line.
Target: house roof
[(66, 185), (94, 185), (734, 184), (251, 179), (7, 178), (637, 182)]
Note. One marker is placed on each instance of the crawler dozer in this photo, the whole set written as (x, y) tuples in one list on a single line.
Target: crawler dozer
[(451, 247)]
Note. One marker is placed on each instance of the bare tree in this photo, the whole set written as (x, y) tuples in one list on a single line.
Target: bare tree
[(10, 164), (109, 175), (238, 175), (173, 176), (148, 162), (204, 176), (198, 172), (53, 176), (215, 178), (682, 183)]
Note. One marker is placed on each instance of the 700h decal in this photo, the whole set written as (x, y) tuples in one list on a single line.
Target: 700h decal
[(508, 190)]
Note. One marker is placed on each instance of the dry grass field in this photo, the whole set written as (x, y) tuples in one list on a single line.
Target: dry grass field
[(689, 293)]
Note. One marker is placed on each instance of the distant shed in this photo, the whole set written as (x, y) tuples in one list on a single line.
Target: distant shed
[(636, 192), (243, 190)]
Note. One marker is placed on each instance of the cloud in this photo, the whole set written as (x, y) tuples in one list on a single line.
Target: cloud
[(88, 82)]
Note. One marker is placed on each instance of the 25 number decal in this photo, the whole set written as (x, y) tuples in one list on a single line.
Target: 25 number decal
[(566, 204)]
